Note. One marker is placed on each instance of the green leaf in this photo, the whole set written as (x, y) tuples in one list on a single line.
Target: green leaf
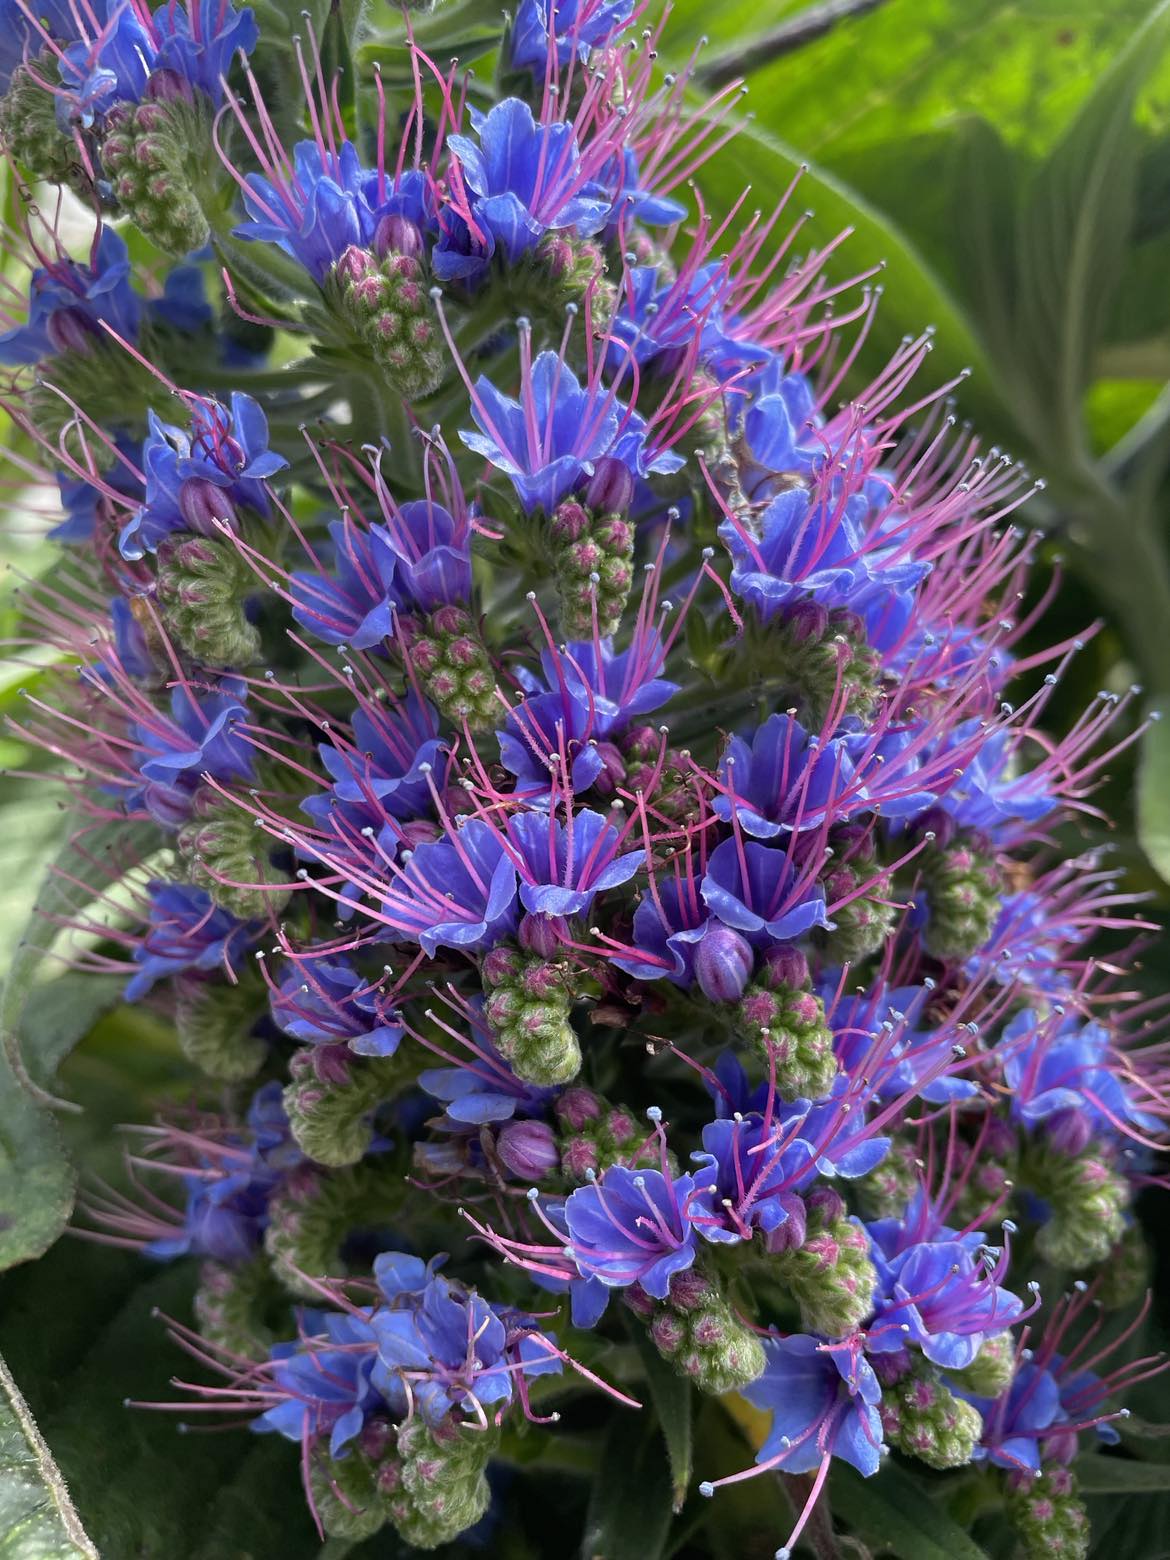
[(1153, 796), (93, 859), (671, 1395), (894, 1514), (1074, 227), (1101, 1475), (37, 1519), (630, 1507), (914, 297), (36, 1179)]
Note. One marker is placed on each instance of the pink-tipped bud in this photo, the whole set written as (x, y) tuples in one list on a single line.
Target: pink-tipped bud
[(785, 966), (689, 1290), (723, 963), (613, 769), (69, 331), (202, 503), (167, 86), (569, 521), (398, 235), (788, 1236), (529, 1149), (543, 934), (355, 265), (611, 487), (1070, 1132), (576, 1107), (807, 620), (580, 1156)]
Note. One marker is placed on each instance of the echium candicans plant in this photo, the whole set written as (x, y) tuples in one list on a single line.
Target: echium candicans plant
[(592, 813)]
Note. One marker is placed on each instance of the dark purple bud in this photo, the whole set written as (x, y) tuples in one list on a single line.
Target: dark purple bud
[(639, 1301), (937, 822), (419, 831), (543, 934), (167, 86), (789, 1236), (667, 1331), (689, 1290), (723, 963), (785, 966), (611, 487), (202, 503), (825, 1204), (450, 619), (70, 331), (807, 620), (613, 769), (333, 1064), (529, 1149), (1070, 1132), (398, 235)]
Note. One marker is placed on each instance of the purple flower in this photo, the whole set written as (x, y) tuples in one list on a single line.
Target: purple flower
[(762, 893), (522, 180), (786, 780), (456, 1352), (69, 302), (456, 892), (1054, 1067), (186, 931), (353, 603), (630, 1227), (113, 67), (890, 1017), (941, 1296), (723, 963), (1015, 1424), (383, 771), (577, 25), (326, 1002), (21, 38), (322, 1381), (822, 1399), (749, 1172), (483, 1089), (669, 924), (563, 867), (546, 726), (199, 41), (988, 794), (433, 553), (616, 687), (199, 739), (548, 440), (212, 469)]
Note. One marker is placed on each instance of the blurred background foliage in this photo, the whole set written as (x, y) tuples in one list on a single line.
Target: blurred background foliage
[(1008, 164)]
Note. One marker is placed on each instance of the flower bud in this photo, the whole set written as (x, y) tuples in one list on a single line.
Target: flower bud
[(528, 1149), (214, 1020), (543, 934), (610, 490), (68, 330), (332, 1098), (1048, 1515), (577, 1106), (785, 965), (723, 963), (398, 235), (1069, 1132), (168, 86)]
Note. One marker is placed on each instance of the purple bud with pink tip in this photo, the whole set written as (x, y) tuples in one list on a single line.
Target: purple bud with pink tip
[(723, 963)]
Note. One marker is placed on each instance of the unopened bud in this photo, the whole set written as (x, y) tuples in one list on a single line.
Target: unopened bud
[(610, 490), (528, 1149)]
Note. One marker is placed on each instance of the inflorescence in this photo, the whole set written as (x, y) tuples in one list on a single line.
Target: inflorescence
[(587, 788)]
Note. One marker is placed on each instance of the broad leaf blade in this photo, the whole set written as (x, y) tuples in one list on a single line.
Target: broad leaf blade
[(630, 1509), (1099, 1475), (1153, 796), (895, 1516), (37, 1519)]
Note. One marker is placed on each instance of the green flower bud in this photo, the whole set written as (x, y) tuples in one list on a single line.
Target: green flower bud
[(204, 584), (575, 267), (812, 651), (331, 1100), (831, 1276), (384, 303), (862, 925), (886, 1191), (1048, 1515), (154, 155), (788, 1025), (1086, 1198), (698, 1332), (230, 1305), (924, 1419), (593, 561), (29, 131), (438, 1486), (454, 667), (314, 1212), (1124, 1276), (990, 1372), (527, 1008), (346, 1494), (963, 887), (229, 855), (214, 1020)]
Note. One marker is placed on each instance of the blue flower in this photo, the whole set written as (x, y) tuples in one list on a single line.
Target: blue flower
[(1015, 1424), (562, 867), (325, 1381), (186, 931), (915, 1050), (456, 1351), (484, 1089), (220, 462), (548, 440), (762, 893), (616, 686), (455, 892), (69, 302), (20, 38), (325, 1001), (988, 794), (113, 67), (200, 47), (577, 25), (632, 1227), (433, 552), (199, 739), (328, 202), (786, 780), (544, 726), (823, 1404), (354, 603), (940, 1296), (1055, 1067), (669, 924), (522, 180), (748, 1173)]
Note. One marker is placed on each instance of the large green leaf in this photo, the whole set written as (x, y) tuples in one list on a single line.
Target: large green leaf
[(1153, 797), (895, 1516), (630, 1509), (37, 1519), (36, 1180), (1099, 1475)]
